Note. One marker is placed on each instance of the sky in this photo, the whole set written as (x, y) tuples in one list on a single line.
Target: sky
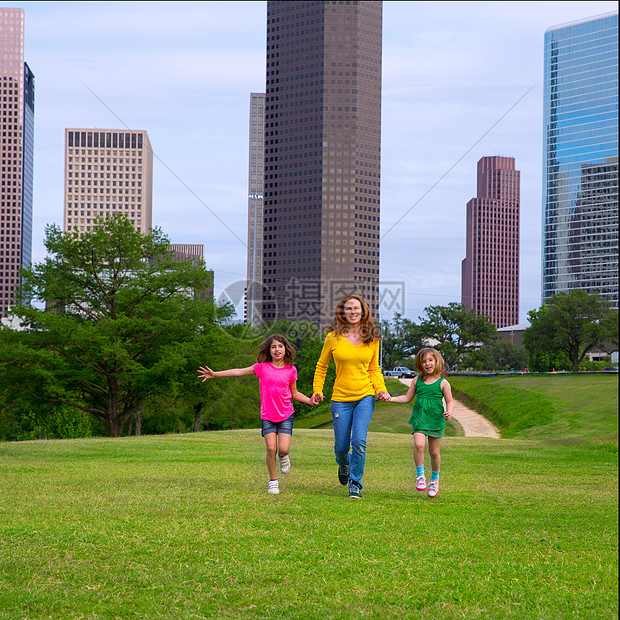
[(461, 81)]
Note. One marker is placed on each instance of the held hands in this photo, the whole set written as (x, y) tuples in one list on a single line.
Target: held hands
[(206, 373), (316, 399), (384, 396)]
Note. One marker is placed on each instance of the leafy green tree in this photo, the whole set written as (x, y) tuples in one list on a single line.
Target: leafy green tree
[(120, 314), (500, 355), (610, 326), (571, 323), (400, 339), (224, 403), (455, 331)]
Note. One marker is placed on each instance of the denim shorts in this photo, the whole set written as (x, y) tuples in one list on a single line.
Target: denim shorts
[(286, 426)]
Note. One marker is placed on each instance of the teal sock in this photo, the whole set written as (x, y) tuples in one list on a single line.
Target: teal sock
[(420, 470), (434, 476)]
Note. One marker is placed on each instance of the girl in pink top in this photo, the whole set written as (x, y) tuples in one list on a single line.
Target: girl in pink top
[(277, 380)]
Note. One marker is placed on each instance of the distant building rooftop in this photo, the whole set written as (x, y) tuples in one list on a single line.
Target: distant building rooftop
[(513, 333), (514, 328)]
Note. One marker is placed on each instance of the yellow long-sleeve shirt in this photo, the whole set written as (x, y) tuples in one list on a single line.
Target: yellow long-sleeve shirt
[(357, 369)]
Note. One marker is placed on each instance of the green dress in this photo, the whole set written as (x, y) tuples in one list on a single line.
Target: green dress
[(427, 415)]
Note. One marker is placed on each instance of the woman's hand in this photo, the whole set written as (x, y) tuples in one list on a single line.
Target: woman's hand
[(384, 396), (317, 398)]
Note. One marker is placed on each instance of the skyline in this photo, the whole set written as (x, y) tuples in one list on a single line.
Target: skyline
[(458, 85)]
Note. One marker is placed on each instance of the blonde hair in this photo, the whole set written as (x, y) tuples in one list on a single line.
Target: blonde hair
[(367, 328), (264, 350), (441, 368)]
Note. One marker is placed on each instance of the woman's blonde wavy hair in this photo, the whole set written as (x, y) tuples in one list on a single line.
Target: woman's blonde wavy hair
[(340, 326)]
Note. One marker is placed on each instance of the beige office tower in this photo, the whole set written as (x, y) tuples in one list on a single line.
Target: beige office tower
[(16, 153), (195, 253), (108, 171)]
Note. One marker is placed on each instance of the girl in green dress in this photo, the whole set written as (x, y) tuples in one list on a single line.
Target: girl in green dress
[(429, 415)]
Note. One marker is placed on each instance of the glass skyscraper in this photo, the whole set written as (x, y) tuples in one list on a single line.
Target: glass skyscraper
[(580, 167)]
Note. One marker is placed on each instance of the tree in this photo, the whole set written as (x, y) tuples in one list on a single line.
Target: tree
[(456, 331), (120, 315), (399, 339), (499, 355), (216, 405), (572, 323)]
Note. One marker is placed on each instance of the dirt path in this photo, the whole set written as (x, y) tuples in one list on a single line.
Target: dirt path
[(474, 424)]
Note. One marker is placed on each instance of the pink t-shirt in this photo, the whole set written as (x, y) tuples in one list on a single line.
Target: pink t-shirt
[(275, 391)]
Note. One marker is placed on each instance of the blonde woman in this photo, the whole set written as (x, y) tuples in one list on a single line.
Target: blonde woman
[(353, 342)]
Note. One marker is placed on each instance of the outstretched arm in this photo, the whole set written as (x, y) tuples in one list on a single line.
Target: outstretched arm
[(206, 373), (408, 396)]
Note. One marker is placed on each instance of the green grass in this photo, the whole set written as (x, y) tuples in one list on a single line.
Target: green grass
[(575, 406), (181, 527)]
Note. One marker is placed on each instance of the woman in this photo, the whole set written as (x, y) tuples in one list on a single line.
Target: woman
[(353, 342)]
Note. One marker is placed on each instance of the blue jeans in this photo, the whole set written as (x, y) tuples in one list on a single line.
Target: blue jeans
[(351, 421)]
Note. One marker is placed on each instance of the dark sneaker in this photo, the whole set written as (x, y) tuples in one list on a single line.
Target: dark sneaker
[(343, 474), (355, 491)]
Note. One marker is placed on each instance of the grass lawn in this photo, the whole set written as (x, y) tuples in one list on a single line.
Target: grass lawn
[(562, 406), (180, 526)]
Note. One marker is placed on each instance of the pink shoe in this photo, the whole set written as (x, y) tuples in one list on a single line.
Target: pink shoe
[(433, 488), (420, 483)]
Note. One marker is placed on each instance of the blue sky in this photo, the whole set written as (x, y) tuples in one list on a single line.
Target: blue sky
[(183, 71)]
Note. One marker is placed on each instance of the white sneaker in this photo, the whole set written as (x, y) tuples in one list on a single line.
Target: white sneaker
[(420, 483), (274, 487), (285, 464), (433, 488)]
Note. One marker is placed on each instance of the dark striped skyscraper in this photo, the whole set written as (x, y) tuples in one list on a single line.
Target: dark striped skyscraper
[(322, 157), (17, 155), (580, 166), (490, 279)]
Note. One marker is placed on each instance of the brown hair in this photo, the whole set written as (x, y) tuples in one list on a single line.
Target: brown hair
[(340, 326), (264, 352), (440, 366)]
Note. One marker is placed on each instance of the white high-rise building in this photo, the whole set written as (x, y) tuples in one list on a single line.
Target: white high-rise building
[(108, 171)]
